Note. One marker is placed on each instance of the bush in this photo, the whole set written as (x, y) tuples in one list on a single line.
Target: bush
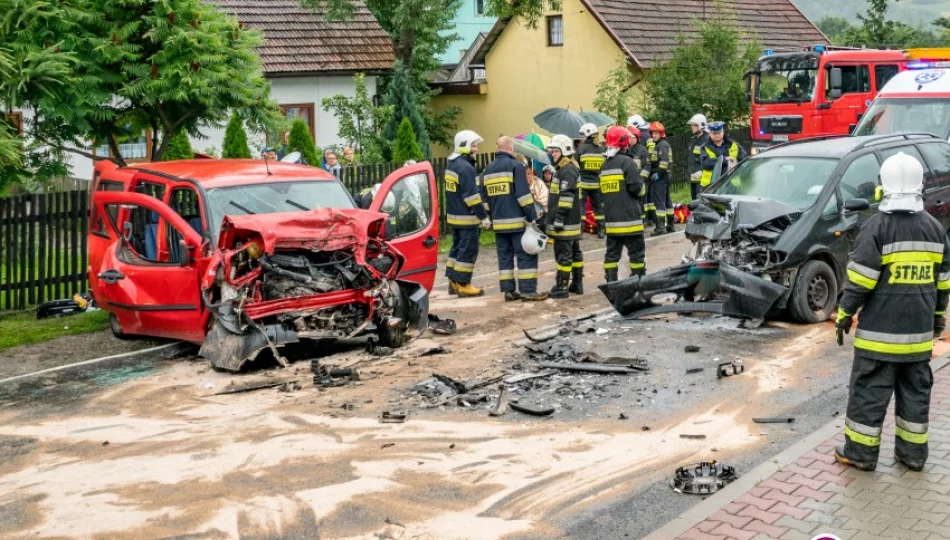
[(402, 99), (301, 141), (406, 147), (235, 140), (179, 147)]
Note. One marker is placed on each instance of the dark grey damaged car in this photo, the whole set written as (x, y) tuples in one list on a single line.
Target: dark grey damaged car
[(774, 235)]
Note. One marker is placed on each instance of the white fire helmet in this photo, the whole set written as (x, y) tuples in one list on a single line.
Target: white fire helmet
[(902, 178), (637, 121), (562, 143), (587, 130), (697, 120), (533, 240), (463, 142)]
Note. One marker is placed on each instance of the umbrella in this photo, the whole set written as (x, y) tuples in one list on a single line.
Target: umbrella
[(598, 119), (541, 141), (560, 121), (531, 151)]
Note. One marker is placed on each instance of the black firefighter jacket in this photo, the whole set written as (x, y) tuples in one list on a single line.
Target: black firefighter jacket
[(505, 189), (564, 200), (622, 187), (463, 202)]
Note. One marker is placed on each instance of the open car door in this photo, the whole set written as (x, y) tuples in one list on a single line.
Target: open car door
[(138, 280), (410, 198)]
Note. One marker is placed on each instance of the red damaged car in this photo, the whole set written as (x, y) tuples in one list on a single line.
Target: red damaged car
[(239, 256)]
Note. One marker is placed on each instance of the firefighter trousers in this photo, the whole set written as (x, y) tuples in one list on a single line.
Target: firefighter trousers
[(568, 254), (596, 204), (872, 383), (509, 248), (462, 256), (636, 251), (659, 193), (694, 190)]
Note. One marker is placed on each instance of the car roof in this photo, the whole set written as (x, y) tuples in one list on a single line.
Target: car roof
[(215, 173), (918, 83), (839, 147)]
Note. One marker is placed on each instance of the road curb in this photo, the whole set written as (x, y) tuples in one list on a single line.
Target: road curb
[(699, 513)]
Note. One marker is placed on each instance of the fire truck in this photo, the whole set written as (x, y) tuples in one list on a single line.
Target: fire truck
[(821, 90)]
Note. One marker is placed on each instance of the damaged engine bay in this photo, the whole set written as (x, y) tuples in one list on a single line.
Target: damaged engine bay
[(269, 292)]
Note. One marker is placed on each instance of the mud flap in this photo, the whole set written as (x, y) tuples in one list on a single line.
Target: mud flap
[(749, 296), (229, 351)]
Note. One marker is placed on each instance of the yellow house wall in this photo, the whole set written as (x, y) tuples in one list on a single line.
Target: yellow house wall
[(525, 76)]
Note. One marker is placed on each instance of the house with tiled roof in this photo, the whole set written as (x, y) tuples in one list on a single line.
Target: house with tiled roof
[(518, 71)]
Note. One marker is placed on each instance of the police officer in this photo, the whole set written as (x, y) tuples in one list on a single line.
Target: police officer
[(899, 277), (591, 158), (505, 188), (661, 156), (649, 209), (694, 167), (564, 219), (622, 188), (718, 145), (464, 212)]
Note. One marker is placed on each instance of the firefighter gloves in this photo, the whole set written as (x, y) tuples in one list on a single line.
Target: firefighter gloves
[(843, 326)]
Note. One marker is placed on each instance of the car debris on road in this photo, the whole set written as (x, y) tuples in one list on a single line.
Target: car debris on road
[(703, 478)]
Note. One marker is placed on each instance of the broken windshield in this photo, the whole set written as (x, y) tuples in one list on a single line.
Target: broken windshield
[(786, 79), (273, 198), (795, 181)]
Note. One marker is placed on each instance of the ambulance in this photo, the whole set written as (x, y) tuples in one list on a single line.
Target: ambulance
[(914, 100)]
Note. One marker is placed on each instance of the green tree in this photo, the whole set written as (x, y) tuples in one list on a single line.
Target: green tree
[(235, 140), (179, 147), (837, 29), (406, 147), (399, 96), (301, 141), (361, 122), (876, 31), (119, 67), (614, 93), (703, 75)]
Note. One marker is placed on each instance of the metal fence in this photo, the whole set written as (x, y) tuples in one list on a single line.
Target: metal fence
[(43, 251)]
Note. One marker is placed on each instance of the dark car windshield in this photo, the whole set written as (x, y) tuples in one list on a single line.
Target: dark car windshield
[(273, 198), (893, 115), (786, 79), (795, 181)]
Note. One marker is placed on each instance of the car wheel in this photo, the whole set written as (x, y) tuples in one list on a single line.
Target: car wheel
[(396, 336), (117, 328), (815, 293)]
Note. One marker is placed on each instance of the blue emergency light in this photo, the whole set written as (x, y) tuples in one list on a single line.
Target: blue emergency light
[(919, 65), (769, 52), (819, 48)]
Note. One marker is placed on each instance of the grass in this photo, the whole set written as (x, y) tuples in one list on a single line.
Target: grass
[(487, 238), (25, 329), (681, 194)]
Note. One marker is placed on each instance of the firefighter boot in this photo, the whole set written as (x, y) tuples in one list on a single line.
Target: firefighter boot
[(915, 466), (601, 230), (670, 222), (512, 296), (467, 290), (534, 297), (453, 288), (577, 281), (611, 274), (660, 228), (860, 465), (651, 218), (560, 285)]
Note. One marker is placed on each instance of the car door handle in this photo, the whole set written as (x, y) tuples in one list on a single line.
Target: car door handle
[(111, 276), (429, 241)]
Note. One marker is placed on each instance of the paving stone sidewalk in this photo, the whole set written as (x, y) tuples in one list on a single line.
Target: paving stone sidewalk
[(813, 494)]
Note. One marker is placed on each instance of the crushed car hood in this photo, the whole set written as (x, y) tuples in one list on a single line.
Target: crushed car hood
[(716, 217), (324, 228)]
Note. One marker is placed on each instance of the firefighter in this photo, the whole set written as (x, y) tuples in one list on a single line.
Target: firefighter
[(649, 209), (591, 158), (718, 145), (465, 213), (639, 153), (564, 218), (661, 156), (694, 167), (899, 277), (509, 199), (622, 188)]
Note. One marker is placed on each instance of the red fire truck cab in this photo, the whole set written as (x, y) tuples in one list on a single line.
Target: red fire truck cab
[(819, 91)]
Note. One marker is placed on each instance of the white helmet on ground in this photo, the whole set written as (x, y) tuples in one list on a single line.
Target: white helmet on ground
[(637, 121), (562, 143), (588, 130), (902, 178), (463, 142), (533, 240), (697, 120)]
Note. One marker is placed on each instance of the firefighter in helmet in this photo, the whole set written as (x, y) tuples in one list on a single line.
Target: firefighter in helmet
[(622, 188), (564, 219), (660, 159), (899, 278), (591, 157), (465, 212), (637, 122), (694, 160)]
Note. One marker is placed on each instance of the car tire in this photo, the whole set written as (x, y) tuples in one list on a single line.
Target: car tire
[(396, 337), (815, 293), (116, 328)]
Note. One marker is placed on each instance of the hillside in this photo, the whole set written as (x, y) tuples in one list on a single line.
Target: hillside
[(913, 12)]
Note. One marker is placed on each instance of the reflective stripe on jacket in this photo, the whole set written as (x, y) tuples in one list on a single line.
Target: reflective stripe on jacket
[(463, 202), (564, 200), (899, 276), (694, 160), (505, 188), (710, 154), (661, 156), (591, 158), (622, 187)]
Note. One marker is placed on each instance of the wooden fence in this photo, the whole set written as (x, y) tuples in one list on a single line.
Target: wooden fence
[(43, 253)]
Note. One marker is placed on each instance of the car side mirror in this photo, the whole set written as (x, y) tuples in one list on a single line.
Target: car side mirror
[(856, 205), (835, 81), (184, 253)]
